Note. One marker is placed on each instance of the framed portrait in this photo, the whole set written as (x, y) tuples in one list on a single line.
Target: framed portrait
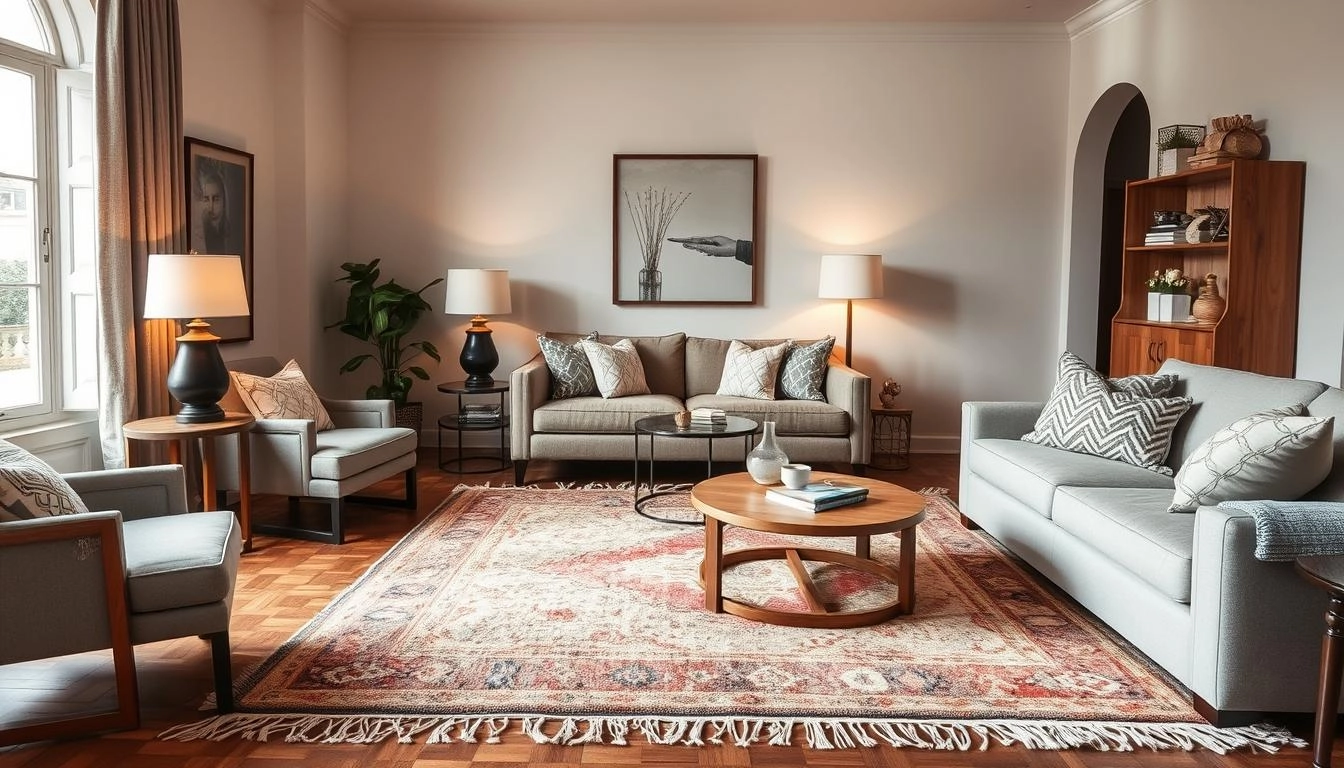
[(219, 217), (685, 230)]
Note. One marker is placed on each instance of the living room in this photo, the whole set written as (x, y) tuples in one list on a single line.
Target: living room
[(967, 151)]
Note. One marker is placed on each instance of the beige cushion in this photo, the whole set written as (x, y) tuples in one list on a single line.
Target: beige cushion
[(1275, 454), (751, 372), (346, 452), (705, 358), (791, 417), (596, 415), (617, 368), (30, 488), (286, 395)]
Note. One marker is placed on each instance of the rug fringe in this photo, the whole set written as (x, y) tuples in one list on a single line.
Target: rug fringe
[(741, 732)]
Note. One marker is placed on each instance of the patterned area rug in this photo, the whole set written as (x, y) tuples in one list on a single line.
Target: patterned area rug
[(568, 617)]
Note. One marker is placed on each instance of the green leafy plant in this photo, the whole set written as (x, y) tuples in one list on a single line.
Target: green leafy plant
[(382, 315)]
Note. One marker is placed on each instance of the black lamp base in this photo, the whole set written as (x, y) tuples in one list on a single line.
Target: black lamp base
[(200, 414), (479, 357), (198, 378)]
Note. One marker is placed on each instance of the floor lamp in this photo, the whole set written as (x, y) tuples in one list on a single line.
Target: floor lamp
[(850, 276)]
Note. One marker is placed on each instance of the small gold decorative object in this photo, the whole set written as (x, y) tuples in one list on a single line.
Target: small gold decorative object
[(1208, 308), (682, 419), (890, 389)]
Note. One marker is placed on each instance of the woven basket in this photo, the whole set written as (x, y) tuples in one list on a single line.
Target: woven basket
[(411, 416)]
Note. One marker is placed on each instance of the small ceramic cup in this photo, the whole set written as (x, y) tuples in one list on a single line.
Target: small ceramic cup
[(682, 419), (795, 475)]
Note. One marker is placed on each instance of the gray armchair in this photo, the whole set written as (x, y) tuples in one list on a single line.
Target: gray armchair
[(136, 569), (291, 458)]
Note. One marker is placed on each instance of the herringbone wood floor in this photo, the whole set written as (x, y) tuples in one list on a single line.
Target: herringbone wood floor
[(284, 583)]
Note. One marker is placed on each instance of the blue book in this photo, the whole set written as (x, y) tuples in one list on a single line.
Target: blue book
[(818, 496)]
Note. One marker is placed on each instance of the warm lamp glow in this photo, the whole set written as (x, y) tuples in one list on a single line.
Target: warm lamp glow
[(478, 292), (850, 276)]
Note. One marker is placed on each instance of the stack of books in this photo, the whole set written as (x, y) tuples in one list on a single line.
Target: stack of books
[(818, 497), (473, 413), (708, 417), (1165, 234)]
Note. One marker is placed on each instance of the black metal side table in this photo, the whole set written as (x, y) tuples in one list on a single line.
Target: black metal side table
[(461, 423), (666, 426), (891, 438)]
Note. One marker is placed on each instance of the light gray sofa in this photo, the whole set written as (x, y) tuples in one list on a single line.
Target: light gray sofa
[(682, 372), (1242, 634)]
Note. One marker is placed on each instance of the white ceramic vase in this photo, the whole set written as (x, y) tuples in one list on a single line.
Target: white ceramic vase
[(766, 459), (1154, 298), (1173, 307)]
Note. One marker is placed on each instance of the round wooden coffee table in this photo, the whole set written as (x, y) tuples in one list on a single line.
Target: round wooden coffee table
[(738, 500)]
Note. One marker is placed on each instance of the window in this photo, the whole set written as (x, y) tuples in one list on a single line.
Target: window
[(48, 323)]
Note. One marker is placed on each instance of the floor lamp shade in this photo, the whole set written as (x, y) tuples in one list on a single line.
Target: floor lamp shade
[(478, 292), (850, 276), (196, 286)]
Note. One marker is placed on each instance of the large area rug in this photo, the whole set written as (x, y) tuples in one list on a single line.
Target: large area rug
[(565, 616)]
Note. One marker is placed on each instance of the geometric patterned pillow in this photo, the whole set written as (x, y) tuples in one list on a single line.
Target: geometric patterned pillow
[(1273, 455), (616, 367), (1145, 386), (804, 370), (571, 374), (1085, 415), (286, 395), (30, 488), (751, 372)]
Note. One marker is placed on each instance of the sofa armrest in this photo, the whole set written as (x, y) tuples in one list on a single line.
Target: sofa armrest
[(529, 388), (1257, 625), (361, 413), (1008, 420), (282, 456), (851, 390), (139, 493)]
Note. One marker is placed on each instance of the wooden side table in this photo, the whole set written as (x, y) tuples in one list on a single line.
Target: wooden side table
[(175, 433), (1328, 574), (891, 438)]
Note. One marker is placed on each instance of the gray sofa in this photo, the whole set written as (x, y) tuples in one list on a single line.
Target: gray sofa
[(1243, 635), (682, 372)]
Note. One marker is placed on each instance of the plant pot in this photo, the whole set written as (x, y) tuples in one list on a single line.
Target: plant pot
[(1154, 298), (650, 285), (411, 416), (1173, 307), (1170, 161)]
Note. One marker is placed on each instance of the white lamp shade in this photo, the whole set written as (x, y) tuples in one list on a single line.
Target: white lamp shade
[(850, 276), (477, 292), (195, 285)]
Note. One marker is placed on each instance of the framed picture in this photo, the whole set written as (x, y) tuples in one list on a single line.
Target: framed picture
[(219, 217), (685, 230)]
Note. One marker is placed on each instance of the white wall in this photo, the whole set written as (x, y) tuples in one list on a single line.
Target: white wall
[(1280, 62), (941, 150)]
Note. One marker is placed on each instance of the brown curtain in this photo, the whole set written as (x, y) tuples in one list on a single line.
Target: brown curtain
[(141, 205)]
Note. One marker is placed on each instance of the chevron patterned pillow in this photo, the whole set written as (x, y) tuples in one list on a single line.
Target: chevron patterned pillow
[(1085, 414), (803, 371), (571, 374), (751, 372), (616, 367)]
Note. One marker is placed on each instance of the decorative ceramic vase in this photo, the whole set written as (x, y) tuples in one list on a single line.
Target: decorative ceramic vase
[(766, 459), (1208, 308), (1154, 298), (1173, 307), (650, 285)]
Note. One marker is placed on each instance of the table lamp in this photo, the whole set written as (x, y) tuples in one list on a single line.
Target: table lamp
[(196, 286), (850, 276), (478, 292)]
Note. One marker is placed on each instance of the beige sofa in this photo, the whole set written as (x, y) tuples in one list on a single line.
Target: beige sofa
[(683, 372)]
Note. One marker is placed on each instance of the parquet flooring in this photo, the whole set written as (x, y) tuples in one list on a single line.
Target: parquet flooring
[(284, 582)]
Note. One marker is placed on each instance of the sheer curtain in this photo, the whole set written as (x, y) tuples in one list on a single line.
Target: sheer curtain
[(141, 205)]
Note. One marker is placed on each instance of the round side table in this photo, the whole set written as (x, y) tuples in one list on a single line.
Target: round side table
[(891, 438), (467, 419), (1328, 574), (175, 433)]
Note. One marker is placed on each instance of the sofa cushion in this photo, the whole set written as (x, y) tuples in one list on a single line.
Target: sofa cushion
[(803, 371), (751, 372), (593, 414), (1221, 396), (1030, 473), (343, 453), (663, 358), (1330, 403), (705, 358), (176, 561), (30, 488), (791, 417), (571, 373), (1274, 454), (1132, 527), (617, 368)]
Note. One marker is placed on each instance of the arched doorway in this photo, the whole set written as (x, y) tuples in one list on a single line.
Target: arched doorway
[(1112, 149)]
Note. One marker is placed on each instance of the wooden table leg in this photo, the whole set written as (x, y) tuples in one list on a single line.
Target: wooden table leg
[(208, 498), (174, 451), (713, 565), (130, 452), (863, 547), (1332, 663), (245, 488), (906, 569)]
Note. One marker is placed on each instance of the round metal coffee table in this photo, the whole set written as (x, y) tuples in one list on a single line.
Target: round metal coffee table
[(666, 426), (737, 500)]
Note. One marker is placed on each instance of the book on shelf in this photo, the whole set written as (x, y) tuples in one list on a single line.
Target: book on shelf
[(818, 497)]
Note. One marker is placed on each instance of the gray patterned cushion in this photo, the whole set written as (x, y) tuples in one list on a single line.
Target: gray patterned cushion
[(1157, 385), (616, 368), (804, 370), (571, 375), (1276, 454), (751, 372), (30, 488), (286, 395), (1086, 415)]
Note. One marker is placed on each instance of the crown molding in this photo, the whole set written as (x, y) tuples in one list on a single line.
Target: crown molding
[(739, 32), (1099, 14), (326, 12)]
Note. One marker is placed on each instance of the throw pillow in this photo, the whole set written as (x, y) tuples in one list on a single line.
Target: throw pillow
[(1277, 455), (1086, 415), (571, 375), (751, 372), (286, 395), (1144, 386), (803, 371), (616, 368), (30, 488)]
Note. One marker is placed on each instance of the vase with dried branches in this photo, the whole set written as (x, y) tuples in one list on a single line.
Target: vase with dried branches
[(652, 211)]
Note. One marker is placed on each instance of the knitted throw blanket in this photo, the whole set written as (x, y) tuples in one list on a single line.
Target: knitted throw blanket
[(1287, 530)]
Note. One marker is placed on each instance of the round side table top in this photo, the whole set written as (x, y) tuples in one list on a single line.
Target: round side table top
[(461, 388), (1326, 571), (738, 500), (169, 428), (666, 425)]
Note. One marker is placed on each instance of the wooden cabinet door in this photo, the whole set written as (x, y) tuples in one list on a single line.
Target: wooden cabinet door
[(1182, 344), (1131, 350)]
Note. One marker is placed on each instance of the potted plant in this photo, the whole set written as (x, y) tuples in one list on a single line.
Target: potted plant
[(1175, 145), (382, 315), (1168, 296)]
